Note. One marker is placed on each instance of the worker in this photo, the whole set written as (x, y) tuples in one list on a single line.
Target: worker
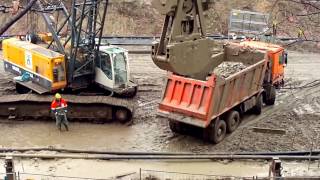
[(300, 33), (59, 108), (274, 28)]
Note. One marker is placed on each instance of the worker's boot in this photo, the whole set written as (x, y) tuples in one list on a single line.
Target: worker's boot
[(67, 128)]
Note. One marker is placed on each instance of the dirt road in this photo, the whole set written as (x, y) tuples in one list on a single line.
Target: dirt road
[(296, 112)]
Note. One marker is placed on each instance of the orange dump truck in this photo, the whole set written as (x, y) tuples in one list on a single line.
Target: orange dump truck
[(216, 104)]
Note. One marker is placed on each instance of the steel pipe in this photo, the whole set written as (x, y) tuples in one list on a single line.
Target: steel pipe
[(151, 157), (72, 151)]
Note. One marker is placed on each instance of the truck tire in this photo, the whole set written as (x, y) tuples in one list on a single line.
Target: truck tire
[(216, 131), (270, 95), (232, 121), (258, 107), (220, 131)]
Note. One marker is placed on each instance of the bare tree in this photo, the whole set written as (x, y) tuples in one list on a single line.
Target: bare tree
[(298, 18)]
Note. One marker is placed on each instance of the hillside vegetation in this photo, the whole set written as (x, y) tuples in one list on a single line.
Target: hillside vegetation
[(138, 17)]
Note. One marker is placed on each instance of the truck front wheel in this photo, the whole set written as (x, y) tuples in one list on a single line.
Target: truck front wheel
[(270, 95)]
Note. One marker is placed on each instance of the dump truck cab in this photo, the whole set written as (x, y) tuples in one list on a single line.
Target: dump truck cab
[(112, 72), (277, 59)]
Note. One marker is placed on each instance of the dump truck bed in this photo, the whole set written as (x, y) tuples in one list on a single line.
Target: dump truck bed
[(199, 102)]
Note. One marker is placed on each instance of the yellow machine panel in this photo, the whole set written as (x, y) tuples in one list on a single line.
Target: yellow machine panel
[(45, 67)]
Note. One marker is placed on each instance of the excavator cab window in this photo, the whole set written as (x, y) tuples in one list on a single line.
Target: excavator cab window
[(120, 68), (105, 65)]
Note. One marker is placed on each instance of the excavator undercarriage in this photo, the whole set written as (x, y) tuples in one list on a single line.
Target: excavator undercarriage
[(80, 108)]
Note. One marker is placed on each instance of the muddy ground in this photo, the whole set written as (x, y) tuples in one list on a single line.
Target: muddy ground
[(38, 169), (297, 112)]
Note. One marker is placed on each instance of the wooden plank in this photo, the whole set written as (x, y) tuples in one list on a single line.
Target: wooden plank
[(268, 130)]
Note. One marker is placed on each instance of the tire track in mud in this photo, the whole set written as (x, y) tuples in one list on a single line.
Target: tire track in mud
[(268, 110), (281, 116)]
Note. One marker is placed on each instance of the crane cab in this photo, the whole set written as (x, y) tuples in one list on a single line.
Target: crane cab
[(112, 71)]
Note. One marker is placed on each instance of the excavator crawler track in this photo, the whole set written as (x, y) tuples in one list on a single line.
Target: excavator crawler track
[(80, 108)]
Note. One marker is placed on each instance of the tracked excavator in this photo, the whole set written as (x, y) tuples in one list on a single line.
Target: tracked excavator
[(72, 61), (195, 96)]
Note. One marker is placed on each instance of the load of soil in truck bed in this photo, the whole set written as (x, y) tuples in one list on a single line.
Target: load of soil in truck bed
[(226, 69)]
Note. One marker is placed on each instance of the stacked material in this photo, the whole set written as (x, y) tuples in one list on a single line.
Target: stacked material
[(226, 69)]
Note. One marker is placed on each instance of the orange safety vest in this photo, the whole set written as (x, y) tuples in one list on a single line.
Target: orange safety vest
[(55, 104)]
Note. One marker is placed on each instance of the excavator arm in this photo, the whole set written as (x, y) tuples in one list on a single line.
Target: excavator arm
[(184, 48)]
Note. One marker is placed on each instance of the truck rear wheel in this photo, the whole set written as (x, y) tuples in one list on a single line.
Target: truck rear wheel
[(270, 95), (216, 132), (233, 121), (219, 132)]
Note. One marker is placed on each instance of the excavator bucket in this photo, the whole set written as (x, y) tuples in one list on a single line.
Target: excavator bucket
[(183, 48)]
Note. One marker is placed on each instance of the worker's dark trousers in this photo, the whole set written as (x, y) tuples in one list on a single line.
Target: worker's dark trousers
[(62, 119)]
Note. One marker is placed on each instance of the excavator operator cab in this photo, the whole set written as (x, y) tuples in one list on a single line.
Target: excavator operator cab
[(112, 71)]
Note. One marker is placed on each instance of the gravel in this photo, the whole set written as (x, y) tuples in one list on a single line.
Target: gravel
[(227, 69)]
